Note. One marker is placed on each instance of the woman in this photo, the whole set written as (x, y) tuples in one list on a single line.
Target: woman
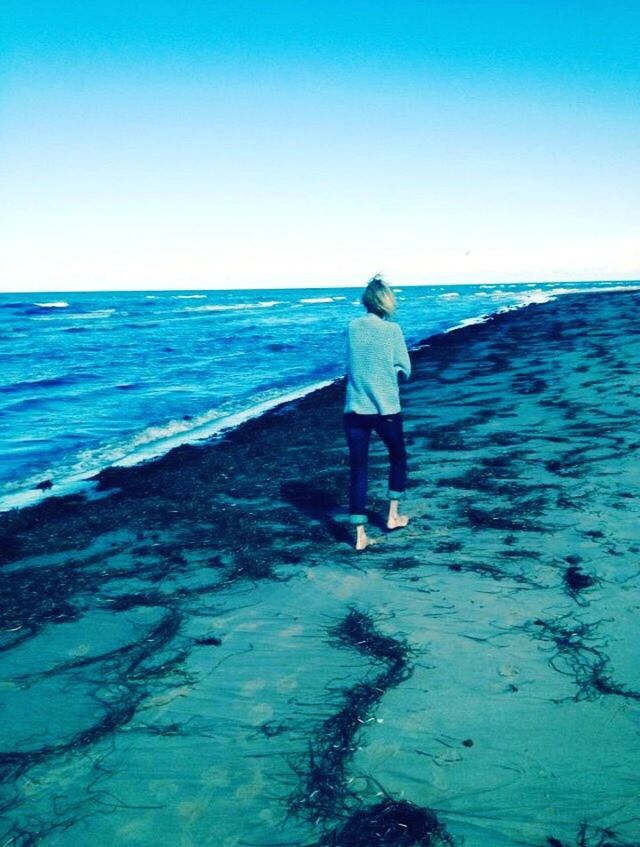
[(376, 354)]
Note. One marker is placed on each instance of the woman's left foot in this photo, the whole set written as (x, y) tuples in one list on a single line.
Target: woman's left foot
[(363, 540)]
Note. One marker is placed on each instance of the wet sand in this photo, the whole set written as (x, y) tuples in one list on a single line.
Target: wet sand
[(200, 657)]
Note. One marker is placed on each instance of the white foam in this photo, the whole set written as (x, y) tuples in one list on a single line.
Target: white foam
[(537, 296), (56, 304), (87, 316), (148, 444), (29, 497), (228, 307), (449, 295), (480, 319), (316, 300), (201, 431), (88, 462), (597, 289), (190, 297)]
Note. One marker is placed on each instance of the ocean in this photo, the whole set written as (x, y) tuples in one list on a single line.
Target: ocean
[(95, 379)]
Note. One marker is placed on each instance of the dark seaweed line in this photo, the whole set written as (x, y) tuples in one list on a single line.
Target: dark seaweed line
[(325, 792), (589, 836), (14, 764), (587, 664)]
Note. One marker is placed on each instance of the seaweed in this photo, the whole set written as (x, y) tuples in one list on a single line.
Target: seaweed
[(34, 596), (325, 791), (513, 519), (449, 547), (576, 580), (589, 836), (519, 553), (271, 729), (445, 438), (209, 640), (575, 656), (493, 477), (404, 563), (252, 565), (357, 630), (494, 572), (128, 662), (10, 548), (389, 824)]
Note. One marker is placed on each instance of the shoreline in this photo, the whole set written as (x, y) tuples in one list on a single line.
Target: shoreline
[(218, 633), (85, 483)]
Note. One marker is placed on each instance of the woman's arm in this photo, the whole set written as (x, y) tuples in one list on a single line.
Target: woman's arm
[(401, 360), (347, 352)]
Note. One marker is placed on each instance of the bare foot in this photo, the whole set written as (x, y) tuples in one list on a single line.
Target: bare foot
[(397, 521), (363, 540)]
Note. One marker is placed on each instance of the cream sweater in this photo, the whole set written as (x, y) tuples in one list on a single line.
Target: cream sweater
[(376, 354)]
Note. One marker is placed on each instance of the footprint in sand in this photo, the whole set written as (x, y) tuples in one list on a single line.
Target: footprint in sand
[(252, 685), (448, 757), (508, 671), (286, 683)]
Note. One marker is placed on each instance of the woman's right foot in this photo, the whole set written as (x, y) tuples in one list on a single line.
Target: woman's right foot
[(397, 521)]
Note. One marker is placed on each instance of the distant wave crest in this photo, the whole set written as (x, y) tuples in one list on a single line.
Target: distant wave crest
[(99, 313), (29, 385), (232, 307)]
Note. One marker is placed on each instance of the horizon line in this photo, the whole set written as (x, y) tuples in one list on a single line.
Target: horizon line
[(318, 287)]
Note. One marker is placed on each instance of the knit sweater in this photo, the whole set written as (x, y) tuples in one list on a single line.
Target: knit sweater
[(376, 354)]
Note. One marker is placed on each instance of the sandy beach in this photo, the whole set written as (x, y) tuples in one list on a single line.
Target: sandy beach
[(200, 657)]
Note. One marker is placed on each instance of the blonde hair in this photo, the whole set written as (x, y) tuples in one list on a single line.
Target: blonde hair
[(379, 298)]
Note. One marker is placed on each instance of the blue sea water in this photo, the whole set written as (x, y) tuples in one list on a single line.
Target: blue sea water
[(94, 379)]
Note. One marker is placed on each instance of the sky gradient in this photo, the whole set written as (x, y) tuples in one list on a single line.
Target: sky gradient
[(250, 143)]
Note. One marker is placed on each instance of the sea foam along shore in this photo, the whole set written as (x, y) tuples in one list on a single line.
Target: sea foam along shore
[(149, 446), (194, 614)]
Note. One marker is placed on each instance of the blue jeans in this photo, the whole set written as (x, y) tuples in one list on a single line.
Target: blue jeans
[(358, 431)]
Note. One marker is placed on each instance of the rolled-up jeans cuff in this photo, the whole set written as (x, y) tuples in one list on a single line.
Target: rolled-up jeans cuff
[(396, 495), (357, 520)]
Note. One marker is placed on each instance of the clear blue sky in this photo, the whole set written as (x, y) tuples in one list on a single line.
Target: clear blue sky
[(234, 143)]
